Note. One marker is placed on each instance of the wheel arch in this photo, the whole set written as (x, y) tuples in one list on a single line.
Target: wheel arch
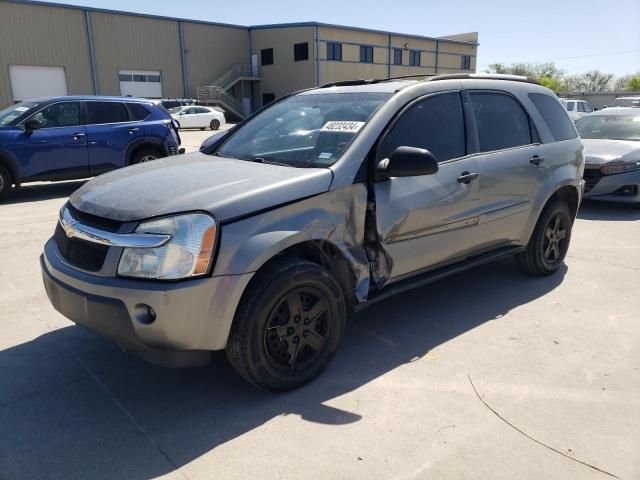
[(142, 144)]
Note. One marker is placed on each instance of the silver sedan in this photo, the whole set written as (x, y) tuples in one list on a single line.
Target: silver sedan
[(611, 138)]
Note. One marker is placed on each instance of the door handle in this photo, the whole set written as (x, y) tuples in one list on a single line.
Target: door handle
[(467, 177), (536, 160), (134, 129), (78, 135)]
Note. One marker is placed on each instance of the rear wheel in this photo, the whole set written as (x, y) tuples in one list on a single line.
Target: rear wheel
[(145, 155), (288, 325), (215, 124), (549, 242), (5, 182)]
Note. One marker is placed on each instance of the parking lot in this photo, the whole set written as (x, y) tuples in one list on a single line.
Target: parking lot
[(488, 374)]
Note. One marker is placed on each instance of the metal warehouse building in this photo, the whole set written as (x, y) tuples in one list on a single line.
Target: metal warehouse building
[(51, 49)]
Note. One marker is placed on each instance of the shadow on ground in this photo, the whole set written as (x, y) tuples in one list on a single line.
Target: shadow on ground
[(127, 419), (592, 210), (35, 192)]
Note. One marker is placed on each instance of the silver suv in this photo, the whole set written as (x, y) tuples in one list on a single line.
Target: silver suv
[(320, 204)]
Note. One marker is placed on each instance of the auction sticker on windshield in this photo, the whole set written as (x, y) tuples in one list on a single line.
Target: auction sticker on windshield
[(342, 126)]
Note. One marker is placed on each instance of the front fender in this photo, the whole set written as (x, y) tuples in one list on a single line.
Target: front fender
[(337, 217)]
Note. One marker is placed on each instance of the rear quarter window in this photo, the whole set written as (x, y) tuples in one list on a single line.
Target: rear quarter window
[(554, 116), (138, 112)]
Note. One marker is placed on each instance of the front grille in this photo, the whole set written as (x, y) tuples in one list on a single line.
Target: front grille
[(80, 253), (591, 177), (93, 220)]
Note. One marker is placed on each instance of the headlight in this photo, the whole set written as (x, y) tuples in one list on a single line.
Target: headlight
[(187, 254), (620, 167)]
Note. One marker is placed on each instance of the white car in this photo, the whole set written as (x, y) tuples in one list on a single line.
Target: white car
[(198, 117), (576, 108)]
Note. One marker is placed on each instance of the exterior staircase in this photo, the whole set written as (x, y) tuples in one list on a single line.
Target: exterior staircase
[(217, 92)]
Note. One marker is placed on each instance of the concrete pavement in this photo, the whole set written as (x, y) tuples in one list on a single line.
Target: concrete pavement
[(558, 358)]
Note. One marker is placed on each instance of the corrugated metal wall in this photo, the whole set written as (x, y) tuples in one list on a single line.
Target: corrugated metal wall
[(137, 43), (212, 50), (44, 36)]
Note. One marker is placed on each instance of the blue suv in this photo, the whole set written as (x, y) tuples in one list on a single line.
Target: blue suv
[(64, 138)]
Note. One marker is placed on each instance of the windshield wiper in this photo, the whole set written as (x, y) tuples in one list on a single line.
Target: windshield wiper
[(270, 162)]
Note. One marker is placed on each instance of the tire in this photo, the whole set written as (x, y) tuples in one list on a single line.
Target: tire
[(271, 347), (145, 155), (541, 257), (215, 124), (5, 182)]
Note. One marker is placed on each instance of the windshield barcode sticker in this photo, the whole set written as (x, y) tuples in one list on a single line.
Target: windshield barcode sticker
[(342, 126)]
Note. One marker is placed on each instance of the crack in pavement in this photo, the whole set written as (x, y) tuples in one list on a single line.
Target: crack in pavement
[(534, 439)]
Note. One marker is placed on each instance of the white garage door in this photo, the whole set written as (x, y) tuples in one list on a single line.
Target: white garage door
[(28, 81), (140, 83)]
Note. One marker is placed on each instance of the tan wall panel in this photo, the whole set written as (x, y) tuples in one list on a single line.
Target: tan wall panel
[(413, 43), (136, 43), (449, 61), (285, 75), (457, 48), (213, 50), (337, 71), (397, 70), (44, 36), (353, 36)]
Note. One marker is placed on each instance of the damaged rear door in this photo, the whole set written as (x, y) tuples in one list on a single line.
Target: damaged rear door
[(429, 219)]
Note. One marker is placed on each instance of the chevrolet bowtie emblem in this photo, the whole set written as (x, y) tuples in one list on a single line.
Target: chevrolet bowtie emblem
[(69, 226)]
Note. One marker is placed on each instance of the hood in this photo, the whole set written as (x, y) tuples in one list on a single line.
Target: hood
[(226, 188), (601, 151)]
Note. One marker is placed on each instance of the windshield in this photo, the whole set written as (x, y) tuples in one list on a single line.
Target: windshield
[(304, 130), (9, 114), (612, 127)]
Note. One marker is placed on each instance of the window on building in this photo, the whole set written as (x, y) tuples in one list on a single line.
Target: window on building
[(501, 121), (414, 58), (301, 52), (266, 56), (397, 56), (366, 54), (106, 112), (334, 51), (465, 62), (554, 115), (435, 123), (66, 114), (267, 98), (153, 78), (125, 77), (138, 112)]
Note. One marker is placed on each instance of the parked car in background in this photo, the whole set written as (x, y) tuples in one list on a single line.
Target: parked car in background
[(632, 101), (169, 103), (611, 138), (62, 138), (576, 108), (261, 245), (198, 117)]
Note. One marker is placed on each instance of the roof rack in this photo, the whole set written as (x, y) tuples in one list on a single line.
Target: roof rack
[(430, 77)]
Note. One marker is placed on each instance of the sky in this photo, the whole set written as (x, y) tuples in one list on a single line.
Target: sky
[(578, 35)]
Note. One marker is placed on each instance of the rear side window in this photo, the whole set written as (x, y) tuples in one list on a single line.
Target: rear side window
[(106, 112), (138, 112), (554, 115), (501, 121), (570, 106), (435, 123)]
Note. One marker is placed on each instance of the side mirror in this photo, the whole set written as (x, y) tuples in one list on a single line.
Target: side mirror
[(407, 162), (31, 125)]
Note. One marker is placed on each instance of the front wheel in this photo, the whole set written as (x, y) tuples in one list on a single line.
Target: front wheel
[(215, 124), (549, 242), (288, 325)]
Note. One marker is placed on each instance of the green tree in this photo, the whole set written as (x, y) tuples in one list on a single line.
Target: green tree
[(634, 84), (555, 84)]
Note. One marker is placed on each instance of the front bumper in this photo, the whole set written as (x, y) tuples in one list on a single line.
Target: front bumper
[(606, 187), (191, 316)]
